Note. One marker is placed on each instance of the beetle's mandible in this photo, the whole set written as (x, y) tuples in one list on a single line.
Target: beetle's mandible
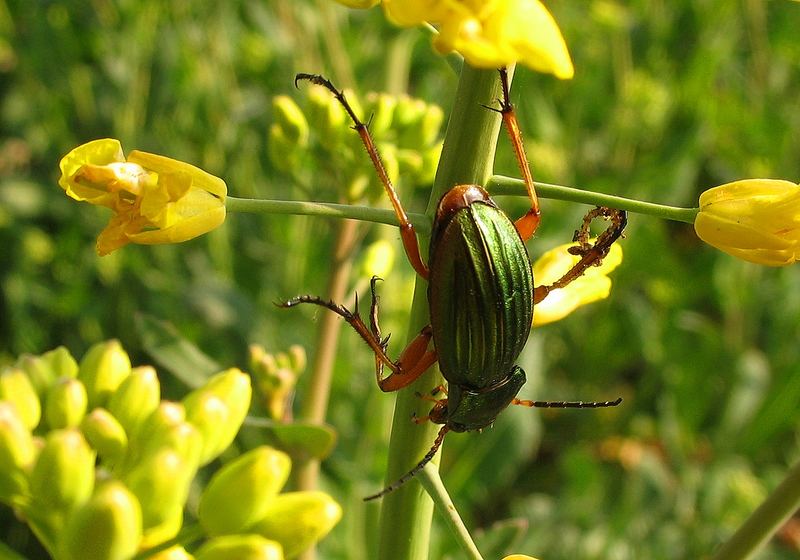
[(477, 254)]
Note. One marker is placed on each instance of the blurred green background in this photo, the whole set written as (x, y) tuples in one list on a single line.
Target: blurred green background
[(669, 98)]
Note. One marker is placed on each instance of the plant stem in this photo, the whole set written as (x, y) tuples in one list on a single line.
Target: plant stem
[(432, 482), (500, 185), (315, 403), (467, 158), (497, 185), (765, 521)]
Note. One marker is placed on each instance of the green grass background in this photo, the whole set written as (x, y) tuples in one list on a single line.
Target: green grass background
[(669, 98)]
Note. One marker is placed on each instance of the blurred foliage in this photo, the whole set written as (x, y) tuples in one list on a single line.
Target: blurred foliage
[(669, 98)]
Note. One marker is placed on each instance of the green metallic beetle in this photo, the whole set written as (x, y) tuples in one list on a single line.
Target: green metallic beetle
[(480, 292)]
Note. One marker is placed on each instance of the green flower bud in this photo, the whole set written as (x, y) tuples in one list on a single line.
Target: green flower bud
[(275, 381), (166, 428), (290, 119), (430, 125), (135, 398), (105, 435), (65, 404), (409, 113), (164, 531), (219, 419), (298, 519), (172, 553), (161, 483), (17, 452), (330, 120), (381, 113), (45, 369), (240, 492), (282, 152), (63, 475), (239, 547), (102, 369), (357, 187), (297, 358), (430, 162), (378, 259), (107, 527), (16, 387)]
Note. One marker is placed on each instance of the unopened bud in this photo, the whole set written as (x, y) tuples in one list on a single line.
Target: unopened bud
[(105, 434), (219, 420), (161, 484), (378, 259), (298, 519), (65, 404), (108, 526), (240, 492), (274, 379), (17, 452), (176, 552), (16, 387), (381, 113), (102, 369), (63, 476), (290, 118), (166, 428), (239, 547), (135, 398)]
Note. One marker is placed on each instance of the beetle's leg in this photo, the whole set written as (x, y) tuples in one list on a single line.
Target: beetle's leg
[(413, 361), (591, 254), (432, 395), (413, 472), (567, 404), (527, 224), (406, 228)]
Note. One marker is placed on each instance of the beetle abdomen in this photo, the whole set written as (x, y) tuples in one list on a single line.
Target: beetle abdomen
[(480, 289)]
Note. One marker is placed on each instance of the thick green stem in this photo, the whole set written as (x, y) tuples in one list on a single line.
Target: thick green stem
[(765, 521), (467, 157)]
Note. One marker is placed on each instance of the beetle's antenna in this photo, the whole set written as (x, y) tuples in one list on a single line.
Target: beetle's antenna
[(413, 472), (406, 228), (567, 404)]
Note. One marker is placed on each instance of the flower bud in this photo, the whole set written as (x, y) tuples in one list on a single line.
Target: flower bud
[(65, 404), (107, 527), (102, 369), (378, 259), (298, 519), (753, 219), (166, 428), (161, 483), (240, 492), (45, 369), (275, 381), (17, 452), (328, 116), (381, 111), (63, 475), (218, 409), (297, 358), (164, 531), (519, 557), (172, 553), (16, 388), (291, 120), (135, 398), (105, 435), (282, 152), (239, 547)]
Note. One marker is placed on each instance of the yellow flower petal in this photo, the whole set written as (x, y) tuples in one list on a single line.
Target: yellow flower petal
[(592, 286), (155, 199), (757, 220), (490, 34)]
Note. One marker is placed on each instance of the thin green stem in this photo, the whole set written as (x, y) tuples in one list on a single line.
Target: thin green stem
[(500, 185), (765, 521), (497, 185), (432, 482)]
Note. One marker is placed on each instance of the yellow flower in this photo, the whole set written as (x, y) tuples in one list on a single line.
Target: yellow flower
[(488, 33), (757, 220), (155, 199), (519, 557), (592, 286)]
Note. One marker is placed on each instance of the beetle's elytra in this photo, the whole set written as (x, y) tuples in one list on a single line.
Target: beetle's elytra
[(480, 292)]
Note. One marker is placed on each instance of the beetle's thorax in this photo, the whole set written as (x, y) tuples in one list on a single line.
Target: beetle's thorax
[(459, 197)]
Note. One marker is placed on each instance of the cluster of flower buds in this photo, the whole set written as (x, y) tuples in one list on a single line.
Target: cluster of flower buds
[(100, 467), (405, 130), (275, 376)]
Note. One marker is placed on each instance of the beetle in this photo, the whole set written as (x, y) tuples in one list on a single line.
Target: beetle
[(480, 292)]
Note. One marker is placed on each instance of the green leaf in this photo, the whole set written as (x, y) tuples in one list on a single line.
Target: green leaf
[(174, 353)]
